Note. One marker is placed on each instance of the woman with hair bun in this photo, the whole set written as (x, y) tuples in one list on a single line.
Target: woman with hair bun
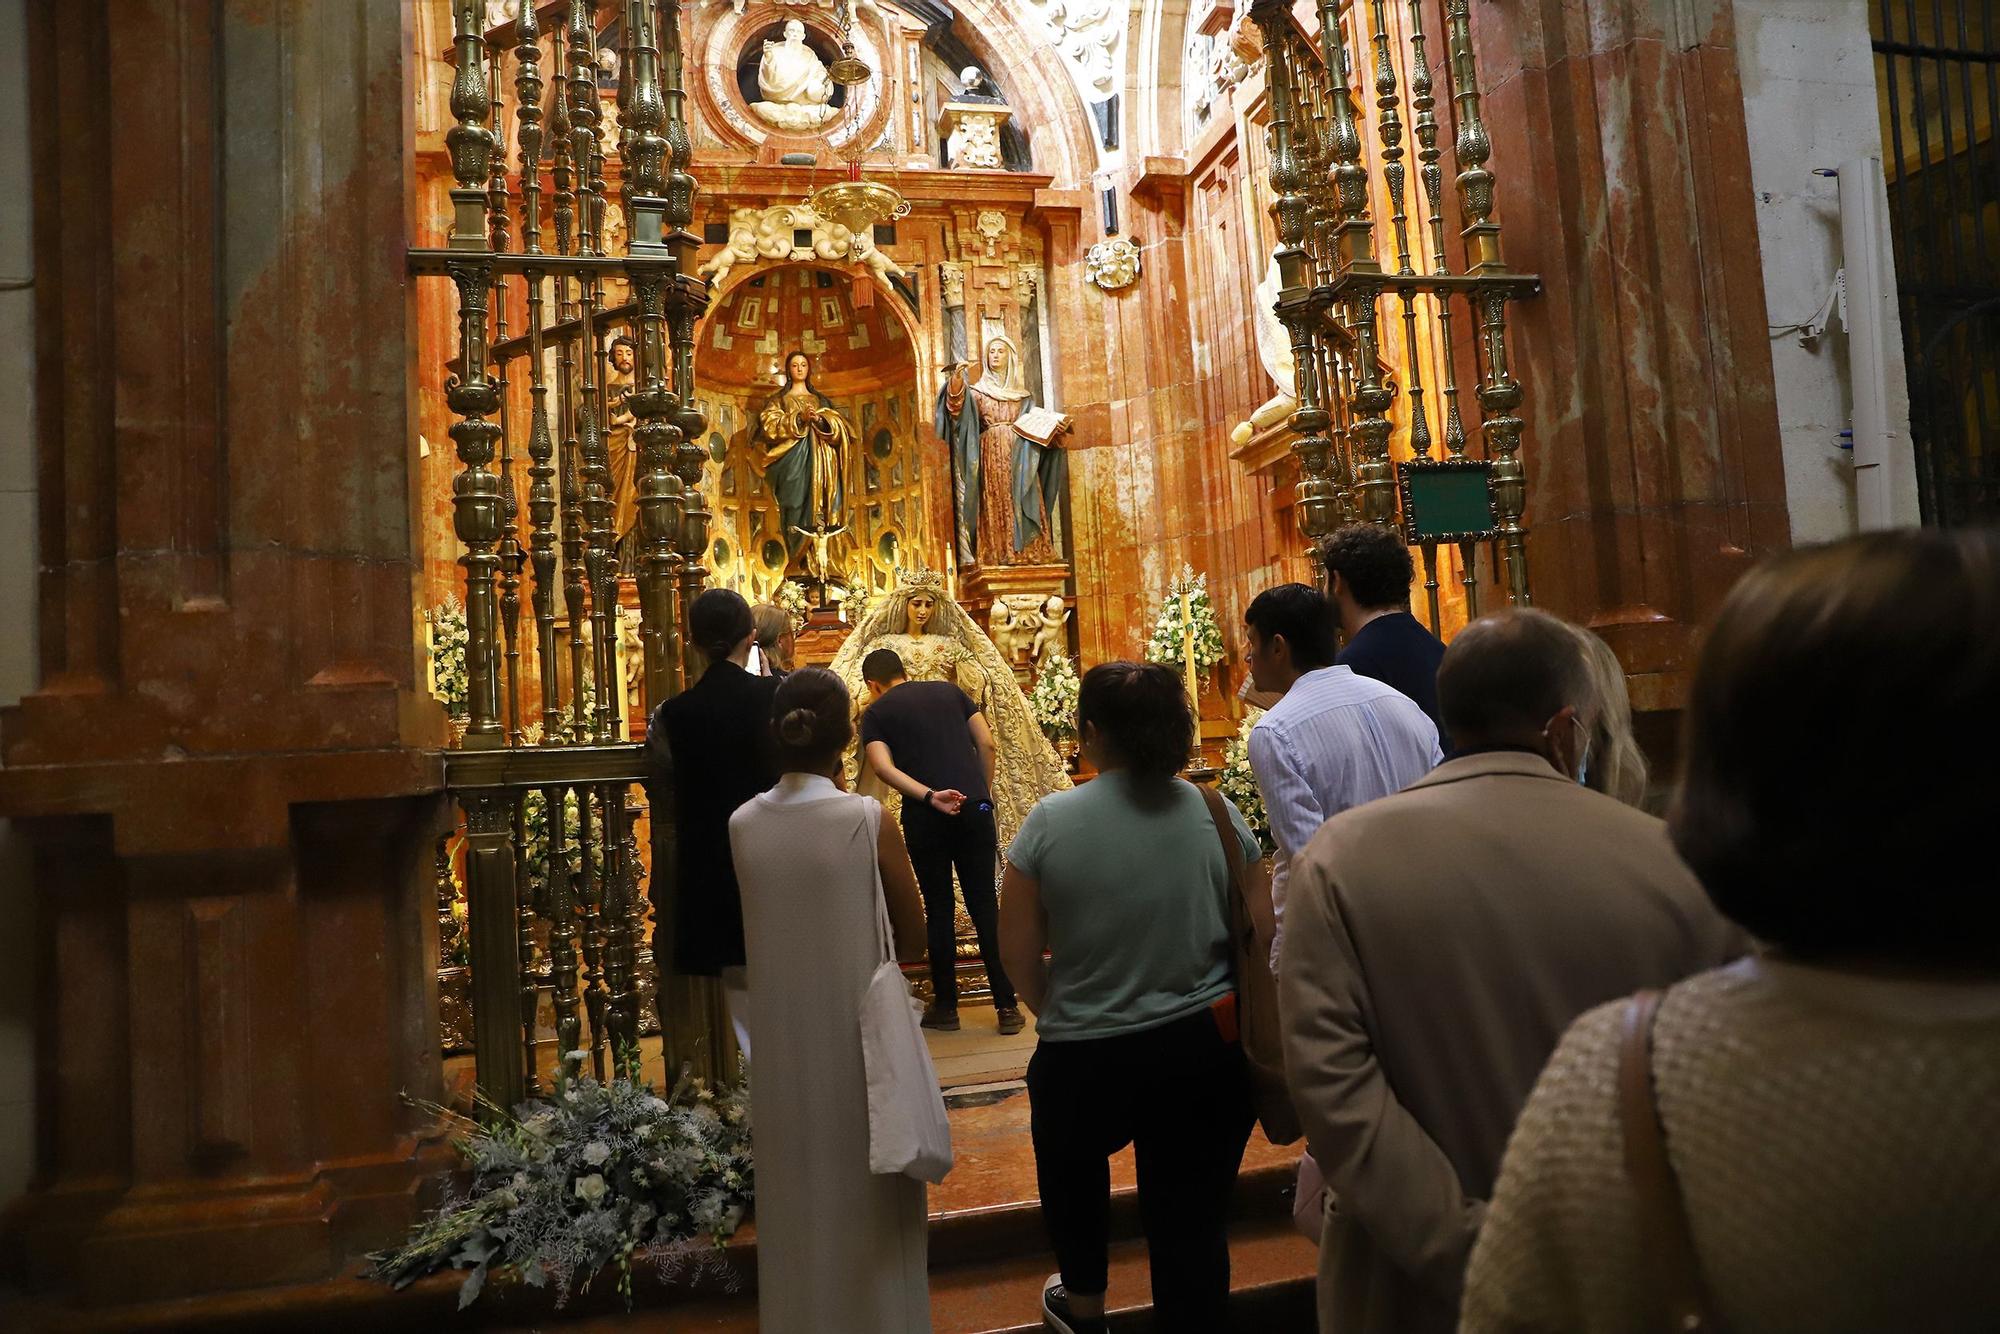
[(815, 862), (1124, 883)]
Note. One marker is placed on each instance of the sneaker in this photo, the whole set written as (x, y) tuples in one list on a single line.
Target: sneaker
[(945, 1021), (1011, 1021), (1056, 1314)]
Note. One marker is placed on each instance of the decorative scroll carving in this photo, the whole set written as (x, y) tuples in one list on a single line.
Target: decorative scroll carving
[(757, 235), (1090, 34)]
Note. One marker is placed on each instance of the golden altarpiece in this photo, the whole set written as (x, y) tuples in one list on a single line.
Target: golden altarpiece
[(621, 346)]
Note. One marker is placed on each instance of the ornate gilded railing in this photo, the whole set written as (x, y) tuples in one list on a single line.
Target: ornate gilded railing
[(552, 867), (1329, 161)]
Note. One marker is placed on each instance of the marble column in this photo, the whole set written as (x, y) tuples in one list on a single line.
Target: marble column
[(225, 773), (1655, 475)]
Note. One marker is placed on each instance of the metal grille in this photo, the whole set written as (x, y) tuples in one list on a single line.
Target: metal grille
[(1940, 93)]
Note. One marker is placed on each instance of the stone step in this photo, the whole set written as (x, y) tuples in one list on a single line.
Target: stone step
[(1271, 1285)]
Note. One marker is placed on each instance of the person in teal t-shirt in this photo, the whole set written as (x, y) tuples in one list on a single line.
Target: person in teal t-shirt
[(1125, 885)]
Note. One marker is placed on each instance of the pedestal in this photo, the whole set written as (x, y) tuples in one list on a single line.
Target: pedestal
[(970, 132)]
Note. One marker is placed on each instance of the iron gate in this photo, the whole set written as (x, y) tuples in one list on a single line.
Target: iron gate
[(1938, 71)]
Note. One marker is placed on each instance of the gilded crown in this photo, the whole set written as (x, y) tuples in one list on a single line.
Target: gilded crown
[(921, 576)]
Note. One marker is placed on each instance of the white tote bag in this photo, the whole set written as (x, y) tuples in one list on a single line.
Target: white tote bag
[(907, 1131)]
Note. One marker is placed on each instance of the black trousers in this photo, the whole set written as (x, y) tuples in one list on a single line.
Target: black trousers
[(969, 842), (1180, 1096)]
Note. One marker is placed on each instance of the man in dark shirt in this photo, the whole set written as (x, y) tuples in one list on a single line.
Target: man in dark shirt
[(1370, 573), (712, 746), (927, 740)]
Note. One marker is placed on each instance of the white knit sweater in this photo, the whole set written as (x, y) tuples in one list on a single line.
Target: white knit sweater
[(1837, 1138)]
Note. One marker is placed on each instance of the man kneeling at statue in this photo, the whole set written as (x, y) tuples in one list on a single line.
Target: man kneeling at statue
[(927, 740)]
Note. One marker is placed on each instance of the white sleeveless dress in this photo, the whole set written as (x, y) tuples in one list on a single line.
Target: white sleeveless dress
[(839, 1249)]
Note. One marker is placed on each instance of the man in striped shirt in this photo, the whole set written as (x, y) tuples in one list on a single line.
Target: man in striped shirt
[(1334, 741)]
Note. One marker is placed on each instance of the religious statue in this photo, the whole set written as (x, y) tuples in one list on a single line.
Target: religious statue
[(795, 84), (1027, 628), (806, 445), (620, 448), (1006, 487), (937, 641)]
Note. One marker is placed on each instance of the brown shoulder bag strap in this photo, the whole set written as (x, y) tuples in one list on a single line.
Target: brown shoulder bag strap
[(1674, 1269), (1238, 911)]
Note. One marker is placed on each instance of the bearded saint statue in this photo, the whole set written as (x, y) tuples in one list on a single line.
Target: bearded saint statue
[(1006, 487), (937, 641)]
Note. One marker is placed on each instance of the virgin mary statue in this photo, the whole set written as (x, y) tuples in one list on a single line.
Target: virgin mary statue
[(937, 641), (805, 444)]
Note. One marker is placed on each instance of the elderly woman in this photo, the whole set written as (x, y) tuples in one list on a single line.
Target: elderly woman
[(1808, 1132), (1125, 883)]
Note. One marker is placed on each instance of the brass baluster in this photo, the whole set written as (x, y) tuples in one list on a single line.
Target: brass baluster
[(472, 394), (649, 264), (1499, 393), (1374, 481), (562, 913), (620, 950), (1389, 133), (541, 447), (512, 557), (1316, 490), (590, 885), (524, 944)]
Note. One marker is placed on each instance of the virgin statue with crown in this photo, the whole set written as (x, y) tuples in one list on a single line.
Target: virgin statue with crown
[(937, 641)]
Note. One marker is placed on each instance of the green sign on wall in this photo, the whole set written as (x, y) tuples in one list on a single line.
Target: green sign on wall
[(1447, 500)]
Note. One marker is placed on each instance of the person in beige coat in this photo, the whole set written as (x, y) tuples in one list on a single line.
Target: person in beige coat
[(1442, 940)]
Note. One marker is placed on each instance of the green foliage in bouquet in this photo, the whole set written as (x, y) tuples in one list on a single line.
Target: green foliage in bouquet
[(1172, 630), (598, 1176), (1239, 784)]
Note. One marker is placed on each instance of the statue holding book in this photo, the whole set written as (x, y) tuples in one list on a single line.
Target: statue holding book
[(1008, 467)]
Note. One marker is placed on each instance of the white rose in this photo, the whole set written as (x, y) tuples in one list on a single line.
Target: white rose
[(590, 1189), (596, 1152)]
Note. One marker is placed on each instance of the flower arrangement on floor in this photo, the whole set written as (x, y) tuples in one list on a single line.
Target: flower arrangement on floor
[(791, 598), (1173, 628), (600, 1175), (448, 637), (1053, 700), (1238, 783)]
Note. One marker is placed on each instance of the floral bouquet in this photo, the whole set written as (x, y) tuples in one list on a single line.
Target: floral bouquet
[(1174, 628), (599, 1175), (449, 682), (791, 598), (1053, 700), (853, 601), (1238, 783)]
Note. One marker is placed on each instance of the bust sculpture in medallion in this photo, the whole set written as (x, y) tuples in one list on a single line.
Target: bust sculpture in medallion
[(796, 87)]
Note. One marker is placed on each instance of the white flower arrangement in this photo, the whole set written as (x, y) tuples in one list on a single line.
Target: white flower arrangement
[(1172, 630), (790, 597), (1053, 700), (1238, 782), (599, 1175), (853, 601), (449, 682)]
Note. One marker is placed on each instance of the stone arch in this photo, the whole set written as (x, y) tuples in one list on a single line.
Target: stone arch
[(1154, 64)]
